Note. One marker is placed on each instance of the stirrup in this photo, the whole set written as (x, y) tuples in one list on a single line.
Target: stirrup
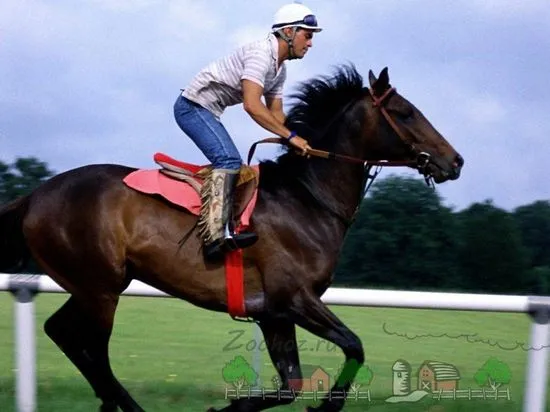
[(216, 250), (240, 240)]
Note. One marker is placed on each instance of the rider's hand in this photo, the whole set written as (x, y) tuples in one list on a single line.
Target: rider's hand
[(301, 144)]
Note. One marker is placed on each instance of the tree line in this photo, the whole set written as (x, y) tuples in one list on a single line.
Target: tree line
[(22, 177), (404, 237)]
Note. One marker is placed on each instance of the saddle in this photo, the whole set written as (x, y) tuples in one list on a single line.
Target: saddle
[(180, 183)]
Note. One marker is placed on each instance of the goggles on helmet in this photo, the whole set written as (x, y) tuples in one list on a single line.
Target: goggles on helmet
[(310, 21)]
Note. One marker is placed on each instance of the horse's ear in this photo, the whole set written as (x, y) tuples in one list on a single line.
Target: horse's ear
[(384, 78), (372, 78), (380, 84)]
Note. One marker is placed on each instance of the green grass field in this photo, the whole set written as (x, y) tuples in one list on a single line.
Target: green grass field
[(170, 354)]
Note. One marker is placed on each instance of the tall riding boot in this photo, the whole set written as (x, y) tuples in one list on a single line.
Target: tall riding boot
[(217, 228), (234, 240)]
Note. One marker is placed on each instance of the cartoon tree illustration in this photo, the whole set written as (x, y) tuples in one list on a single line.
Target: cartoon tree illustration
[(364, 375), (239, 373), (493, 373)]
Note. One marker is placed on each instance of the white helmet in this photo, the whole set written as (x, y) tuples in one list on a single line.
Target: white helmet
[(295, 15)]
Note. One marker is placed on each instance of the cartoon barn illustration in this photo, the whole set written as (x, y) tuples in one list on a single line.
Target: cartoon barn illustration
[(435, 376), (401, 377), (314, 378)]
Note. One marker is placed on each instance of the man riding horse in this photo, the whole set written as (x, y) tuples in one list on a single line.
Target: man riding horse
[(254, 70)]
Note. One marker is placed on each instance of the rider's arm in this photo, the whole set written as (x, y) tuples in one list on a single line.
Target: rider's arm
[(253, 105), (275, 106)]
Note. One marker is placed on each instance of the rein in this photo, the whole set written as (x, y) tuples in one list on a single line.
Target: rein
[(420, 163), (331, 155)]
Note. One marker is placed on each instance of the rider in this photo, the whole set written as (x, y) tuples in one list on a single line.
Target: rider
[(254, 70)]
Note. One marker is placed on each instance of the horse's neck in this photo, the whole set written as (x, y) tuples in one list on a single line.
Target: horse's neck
[(340, 185), (342, 181)]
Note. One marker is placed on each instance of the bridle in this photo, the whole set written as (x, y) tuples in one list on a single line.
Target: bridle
[(423, 159), (421, 162)]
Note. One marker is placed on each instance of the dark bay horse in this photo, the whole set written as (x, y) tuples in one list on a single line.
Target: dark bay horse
[(93, 235)]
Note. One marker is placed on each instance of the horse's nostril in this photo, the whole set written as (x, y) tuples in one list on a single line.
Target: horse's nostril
[(459, 161)]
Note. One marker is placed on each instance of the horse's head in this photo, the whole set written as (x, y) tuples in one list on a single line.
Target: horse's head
[(396, 119)]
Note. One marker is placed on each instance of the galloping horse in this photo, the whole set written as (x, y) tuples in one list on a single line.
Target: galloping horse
[(93, 234)]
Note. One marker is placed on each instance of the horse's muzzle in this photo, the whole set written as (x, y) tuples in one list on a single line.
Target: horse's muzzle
[(456, 167), (439, 172)]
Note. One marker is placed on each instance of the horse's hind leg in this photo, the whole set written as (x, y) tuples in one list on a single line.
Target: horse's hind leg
[(84, 340), (280, 339)]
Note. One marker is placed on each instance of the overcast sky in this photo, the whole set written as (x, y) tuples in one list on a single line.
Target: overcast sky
[(95, 81)]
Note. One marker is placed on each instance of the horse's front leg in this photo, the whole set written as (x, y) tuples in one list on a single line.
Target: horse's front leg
[(311, 313), (280, 339)]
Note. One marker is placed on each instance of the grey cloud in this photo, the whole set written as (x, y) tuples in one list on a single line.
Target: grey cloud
[(96, 83)]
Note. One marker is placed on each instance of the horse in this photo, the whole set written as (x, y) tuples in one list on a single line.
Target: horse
[(93, 235)]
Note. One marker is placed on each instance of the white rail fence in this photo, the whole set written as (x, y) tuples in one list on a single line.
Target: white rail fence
[(470, 394), (249, 393), (24, 287)]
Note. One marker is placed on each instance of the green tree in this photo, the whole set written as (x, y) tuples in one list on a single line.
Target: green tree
[(534, 223), (541, 278), (493, 373), (239, 373), (364, 375), (22, 177), (492, 257), (403, 237)]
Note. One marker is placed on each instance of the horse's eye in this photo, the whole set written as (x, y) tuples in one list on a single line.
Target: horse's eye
[(402, 110), (404, 113), (408, 113)]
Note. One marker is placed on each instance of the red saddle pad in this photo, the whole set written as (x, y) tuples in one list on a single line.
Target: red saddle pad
[(152, 181)]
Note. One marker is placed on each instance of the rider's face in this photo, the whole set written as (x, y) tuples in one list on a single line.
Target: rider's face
[(302, 42)]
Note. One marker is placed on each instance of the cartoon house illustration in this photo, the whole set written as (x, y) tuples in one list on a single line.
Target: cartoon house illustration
[(401, 377), (314, 378), (435, 376)]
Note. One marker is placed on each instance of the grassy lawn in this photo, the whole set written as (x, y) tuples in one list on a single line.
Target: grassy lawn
[(170, 355)]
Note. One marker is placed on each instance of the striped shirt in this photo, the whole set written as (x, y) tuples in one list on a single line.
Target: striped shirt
[(218, 85)]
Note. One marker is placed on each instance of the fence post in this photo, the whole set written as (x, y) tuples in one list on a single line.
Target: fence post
[(537, 363), (24, 287)]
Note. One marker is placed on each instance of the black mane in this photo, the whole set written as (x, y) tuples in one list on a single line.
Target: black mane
[(316, 104), (318, 101)]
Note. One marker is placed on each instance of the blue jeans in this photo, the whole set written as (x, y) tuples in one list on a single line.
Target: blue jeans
[(207, 133)]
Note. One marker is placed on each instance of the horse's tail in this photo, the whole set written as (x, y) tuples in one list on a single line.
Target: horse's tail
[(14, 252)]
